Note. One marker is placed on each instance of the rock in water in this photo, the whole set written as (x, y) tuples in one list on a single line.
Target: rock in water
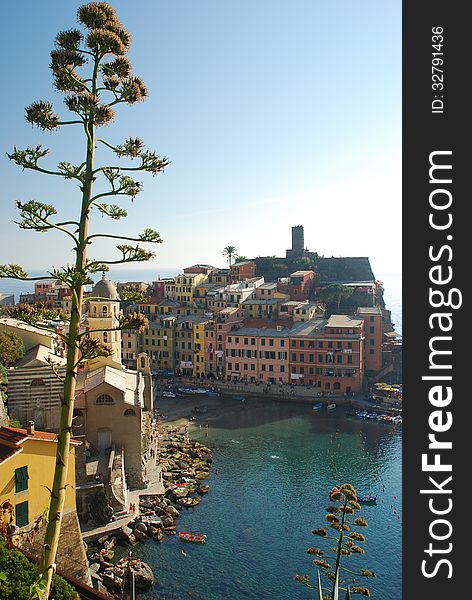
[(144, 577)]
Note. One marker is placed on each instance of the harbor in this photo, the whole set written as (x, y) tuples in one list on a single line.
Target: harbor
[(273, 464)]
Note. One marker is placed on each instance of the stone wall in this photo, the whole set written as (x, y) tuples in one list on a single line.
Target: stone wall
[(71, 556)]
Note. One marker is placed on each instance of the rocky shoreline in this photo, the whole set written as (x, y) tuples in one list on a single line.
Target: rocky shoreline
[(184, 464)]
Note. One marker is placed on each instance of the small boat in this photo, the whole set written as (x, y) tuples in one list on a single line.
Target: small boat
[(200, 391), (317, 406), (381, 417), (331, 406), (196, 538), (168, 395), (239, 398), (214, 394), (362, 414), (397, 420), (367, 499), (372, 415)]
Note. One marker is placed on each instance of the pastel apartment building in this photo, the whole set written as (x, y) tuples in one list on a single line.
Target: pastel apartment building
[(258, 354), (373, 328), (216, 332), (328, 354)]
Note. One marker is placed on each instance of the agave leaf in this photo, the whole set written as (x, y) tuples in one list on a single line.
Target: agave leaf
[(320, 589), (336, 587)]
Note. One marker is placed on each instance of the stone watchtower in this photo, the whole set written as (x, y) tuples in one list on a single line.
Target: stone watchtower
[(104, 309), (298, 242)]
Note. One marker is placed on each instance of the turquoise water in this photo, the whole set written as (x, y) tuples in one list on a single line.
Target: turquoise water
[(274, 465)]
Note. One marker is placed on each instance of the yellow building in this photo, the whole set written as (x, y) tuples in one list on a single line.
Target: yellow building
[(185, 286), (158, 342), (199, 349), (27, 462)]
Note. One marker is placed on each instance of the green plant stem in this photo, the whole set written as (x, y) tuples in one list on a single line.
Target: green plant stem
[(58, 493), (340, 543)]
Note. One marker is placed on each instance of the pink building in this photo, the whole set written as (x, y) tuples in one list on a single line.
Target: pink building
[(216, 332), (258, 354)]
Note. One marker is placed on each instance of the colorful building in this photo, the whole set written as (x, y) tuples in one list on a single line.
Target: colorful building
[(337, 349), (373, 328), (242, 270), (158, 342), (185, 285), (216, 332), (258, 354), (27, 463)]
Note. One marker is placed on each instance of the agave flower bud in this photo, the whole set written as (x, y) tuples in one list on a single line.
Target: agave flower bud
[(134, 90), (69, 40), (321, 563), (68, 81), (321, 532), (361, 590), (103, 114), (66, 58), (105, 42), (40, 113), (96, 15), (361, 522), (119, 68), (359, 537), (331, 518), (123, 34), (316, 551)]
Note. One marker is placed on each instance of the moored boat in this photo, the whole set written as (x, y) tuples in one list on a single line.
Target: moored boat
[(196, 538), (331, 406), (362, 413), (317, 406), (372, 415), (367, 499), (240, 398)]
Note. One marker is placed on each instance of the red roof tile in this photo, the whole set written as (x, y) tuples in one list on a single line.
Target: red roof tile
[(14, 435)]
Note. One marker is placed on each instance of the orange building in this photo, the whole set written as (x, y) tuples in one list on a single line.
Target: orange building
[(372, 317)]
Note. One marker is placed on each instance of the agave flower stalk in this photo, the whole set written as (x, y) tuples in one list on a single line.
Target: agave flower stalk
[(341, 517), (91, 69)]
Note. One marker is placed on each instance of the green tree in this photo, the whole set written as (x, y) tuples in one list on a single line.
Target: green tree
[(93, 72), (341, 517), (18, 575), (336, 292), (12, 348), (230, 253)]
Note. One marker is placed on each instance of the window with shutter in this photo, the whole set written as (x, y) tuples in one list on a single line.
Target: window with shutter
[(21, 479), (21, 514)]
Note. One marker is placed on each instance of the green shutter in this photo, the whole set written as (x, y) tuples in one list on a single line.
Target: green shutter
[(21, 514), (21, 479)]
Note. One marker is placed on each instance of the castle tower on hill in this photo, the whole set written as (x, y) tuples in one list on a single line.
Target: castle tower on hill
[(298, 242), (104, 309)]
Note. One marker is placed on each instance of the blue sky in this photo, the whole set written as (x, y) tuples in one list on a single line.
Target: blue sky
[(273, 114)]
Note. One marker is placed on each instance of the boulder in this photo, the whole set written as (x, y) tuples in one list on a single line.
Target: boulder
[(141, 527), (140, 536), (173, 512)]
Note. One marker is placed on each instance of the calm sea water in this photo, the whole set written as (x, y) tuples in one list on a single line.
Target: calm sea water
[(274, 465)]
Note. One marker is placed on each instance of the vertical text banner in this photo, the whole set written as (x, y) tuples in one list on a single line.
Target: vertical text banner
[(437, 234)]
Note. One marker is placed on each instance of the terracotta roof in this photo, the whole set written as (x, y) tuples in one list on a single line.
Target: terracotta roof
[(7, 452), (15, 436)]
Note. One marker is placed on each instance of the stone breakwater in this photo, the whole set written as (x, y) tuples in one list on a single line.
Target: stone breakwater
[(184, 465)]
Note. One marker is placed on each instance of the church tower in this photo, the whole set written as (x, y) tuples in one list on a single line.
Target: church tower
[(104, 309)]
